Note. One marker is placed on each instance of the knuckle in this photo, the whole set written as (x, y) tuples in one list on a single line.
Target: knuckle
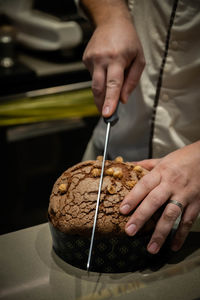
[(156, 202), (171, 214), (146, 183), (113, 83), (99, 54), (142, 62), (159, 238), (86, 58), (86, 62), (97, 90), (132, 83), (113, 54), (186, 224), (140, 216), (94, 56), (97, 57)]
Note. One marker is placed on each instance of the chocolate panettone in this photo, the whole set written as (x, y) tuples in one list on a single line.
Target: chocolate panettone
[(71, 215)]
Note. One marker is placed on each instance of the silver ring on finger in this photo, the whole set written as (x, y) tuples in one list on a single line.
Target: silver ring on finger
[(176, 203)]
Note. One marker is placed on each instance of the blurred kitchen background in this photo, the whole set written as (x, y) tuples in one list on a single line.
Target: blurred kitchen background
[(47, 113)]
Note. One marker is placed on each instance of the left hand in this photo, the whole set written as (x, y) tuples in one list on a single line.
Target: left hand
[(175, 176)]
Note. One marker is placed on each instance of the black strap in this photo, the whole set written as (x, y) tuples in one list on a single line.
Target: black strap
[(160, 77)]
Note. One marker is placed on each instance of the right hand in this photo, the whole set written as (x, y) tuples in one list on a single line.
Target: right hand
[(115, 59)]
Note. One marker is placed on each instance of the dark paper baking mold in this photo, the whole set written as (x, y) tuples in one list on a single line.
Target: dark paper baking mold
[(109, 255)]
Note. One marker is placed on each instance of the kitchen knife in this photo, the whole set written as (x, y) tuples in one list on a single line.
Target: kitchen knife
[(110, 122)]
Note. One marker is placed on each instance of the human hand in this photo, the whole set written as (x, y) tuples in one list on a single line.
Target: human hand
[(115, 59), (176, 176)]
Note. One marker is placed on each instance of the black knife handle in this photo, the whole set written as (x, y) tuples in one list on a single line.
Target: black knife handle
[(114, 118)]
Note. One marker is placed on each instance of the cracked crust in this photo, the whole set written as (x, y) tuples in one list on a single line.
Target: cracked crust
[(73, 211)]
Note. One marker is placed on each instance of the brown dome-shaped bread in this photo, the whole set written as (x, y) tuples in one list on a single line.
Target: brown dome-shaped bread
[(74, 195)]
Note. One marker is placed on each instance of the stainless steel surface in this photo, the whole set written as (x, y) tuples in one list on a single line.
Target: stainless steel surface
[(59, 89), (49, 91), (31, 270), (98, 196)]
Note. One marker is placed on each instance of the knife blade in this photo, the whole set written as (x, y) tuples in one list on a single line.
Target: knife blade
[(110, 122)]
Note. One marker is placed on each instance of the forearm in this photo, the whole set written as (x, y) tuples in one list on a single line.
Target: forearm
[(101, 11)]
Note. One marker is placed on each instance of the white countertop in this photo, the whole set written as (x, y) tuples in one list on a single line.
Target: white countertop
[(31, 270)]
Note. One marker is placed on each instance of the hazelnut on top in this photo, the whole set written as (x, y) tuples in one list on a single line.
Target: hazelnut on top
[(62, 188), (119, 159)]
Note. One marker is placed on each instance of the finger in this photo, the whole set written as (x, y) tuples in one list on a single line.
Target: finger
[(88, 61), (148, 164), (114, 81), (132, 77), (163, 227), (98, 86), (155, 199), (140, 191), (188, 218)]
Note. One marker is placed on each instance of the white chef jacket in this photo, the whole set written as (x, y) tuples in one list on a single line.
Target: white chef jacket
[(163, 112)]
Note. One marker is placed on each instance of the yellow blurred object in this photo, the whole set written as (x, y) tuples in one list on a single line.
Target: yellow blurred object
[(70, 104)]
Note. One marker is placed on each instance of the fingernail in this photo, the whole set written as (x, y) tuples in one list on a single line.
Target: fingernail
[(106, 110), (153, 248), (125, 209), (131, 229), (175, 247)]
